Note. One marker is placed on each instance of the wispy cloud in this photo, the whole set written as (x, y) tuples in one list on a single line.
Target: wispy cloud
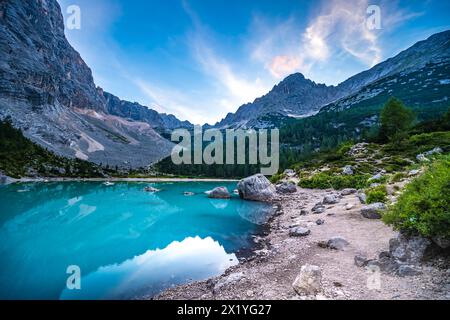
[(236, 89), (338, 28)]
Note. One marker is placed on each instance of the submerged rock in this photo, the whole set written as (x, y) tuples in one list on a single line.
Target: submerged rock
[(256, 188), (151, 189), (373, 211), (308, 281), (188, 193), (218, 193), (286, 187)]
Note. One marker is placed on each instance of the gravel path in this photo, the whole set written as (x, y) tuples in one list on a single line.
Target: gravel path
[(270, 274)]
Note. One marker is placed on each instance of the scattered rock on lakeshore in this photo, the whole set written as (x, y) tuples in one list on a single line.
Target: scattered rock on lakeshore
[(256, 188), (318, 208), (349, 206), (218, 193), (286, 187), (299, 232), (361, 260), (309, 280), (337, 243), (331, 199), (348, 191), (372, 211), (320, 222), (304, 212), (413, 173), (362, 197)]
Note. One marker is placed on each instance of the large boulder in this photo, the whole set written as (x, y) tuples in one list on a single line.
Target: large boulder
[(286, 187), (409, 249), (373, 211), (308, 281), (218, 193), (256, 188)]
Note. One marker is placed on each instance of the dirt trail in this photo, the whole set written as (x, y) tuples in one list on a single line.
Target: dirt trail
[(271, 273)]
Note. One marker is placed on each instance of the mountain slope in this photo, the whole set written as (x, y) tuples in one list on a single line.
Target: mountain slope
[(49, 92), (161, 122), (298, 97), (295, 96)]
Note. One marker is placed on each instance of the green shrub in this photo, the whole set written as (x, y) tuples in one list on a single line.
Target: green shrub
[(325, 180), (277, 177), (424, 206), (399, 176), (376, 194)]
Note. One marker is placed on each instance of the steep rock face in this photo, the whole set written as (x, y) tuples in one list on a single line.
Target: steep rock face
[(295, 96), (38, 66), (49, 92), (133, 110)]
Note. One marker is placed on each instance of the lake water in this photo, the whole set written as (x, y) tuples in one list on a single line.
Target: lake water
[(126, 242)]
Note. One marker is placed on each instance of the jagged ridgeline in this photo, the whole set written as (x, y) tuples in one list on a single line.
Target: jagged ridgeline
[(224, 170)]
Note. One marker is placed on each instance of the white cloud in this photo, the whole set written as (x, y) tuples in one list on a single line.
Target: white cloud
[(339, 28)]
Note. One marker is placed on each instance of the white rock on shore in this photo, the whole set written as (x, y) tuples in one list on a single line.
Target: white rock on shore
[(309, 280)]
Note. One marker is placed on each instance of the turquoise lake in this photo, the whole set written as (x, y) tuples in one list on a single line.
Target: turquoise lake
[(127, 243)]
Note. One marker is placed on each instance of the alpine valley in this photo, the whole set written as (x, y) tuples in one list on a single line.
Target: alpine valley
[(48, 92)]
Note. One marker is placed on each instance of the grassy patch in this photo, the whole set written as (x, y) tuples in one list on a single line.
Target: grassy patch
[(326, 180), (377, 194)]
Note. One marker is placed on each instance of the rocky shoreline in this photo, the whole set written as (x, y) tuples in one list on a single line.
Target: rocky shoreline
[(331, 253)]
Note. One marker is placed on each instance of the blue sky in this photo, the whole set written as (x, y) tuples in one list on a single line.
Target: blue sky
[(200, 59)]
